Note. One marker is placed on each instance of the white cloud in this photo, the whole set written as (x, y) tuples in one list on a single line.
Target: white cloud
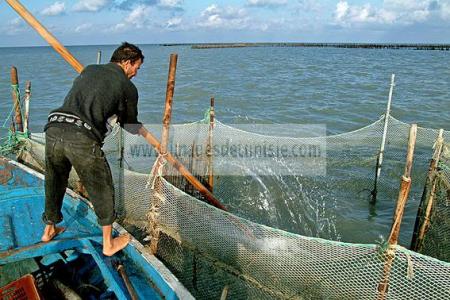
[(266, 3), (173, 22), (55, 9), (137, 18), (118, 27), (16, 22), (445, 11), (229, 17), (170, 3), (409, 11), (348, 15), (90, 5), (310, 6), (403, 12), (406, 5), (83, 27), (14, 26)]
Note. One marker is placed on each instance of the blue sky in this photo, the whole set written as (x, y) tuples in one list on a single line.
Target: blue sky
[(82, 22)]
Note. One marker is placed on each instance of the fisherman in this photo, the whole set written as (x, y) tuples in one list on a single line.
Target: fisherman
[(100, 96)]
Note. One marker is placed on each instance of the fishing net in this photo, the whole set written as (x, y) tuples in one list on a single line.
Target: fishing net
[(436, 222), (287, 235)]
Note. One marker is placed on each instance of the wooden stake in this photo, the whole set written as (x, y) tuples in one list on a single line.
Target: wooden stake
[(168, 106), (423, 222), (383, 143), (405, 186), (27, 98), (30, 19), (16, 99), (183, 171), (155, 231), (209, 148), (99, 57)]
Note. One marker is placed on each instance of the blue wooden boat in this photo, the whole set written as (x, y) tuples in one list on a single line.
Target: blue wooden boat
[(73, 262)]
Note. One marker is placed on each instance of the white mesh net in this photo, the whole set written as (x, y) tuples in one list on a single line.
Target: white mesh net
[(287, 236)]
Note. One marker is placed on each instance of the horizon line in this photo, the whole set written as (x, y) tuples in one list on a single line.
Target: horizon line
[(249, 44)]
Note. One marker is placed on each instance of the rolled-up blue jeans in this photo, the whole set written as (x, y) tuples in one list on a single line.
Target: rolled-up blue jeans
[(67, 146)]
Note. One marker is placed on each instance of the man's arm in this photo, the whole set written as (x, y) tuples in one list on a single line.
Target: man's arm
[(129, 119)]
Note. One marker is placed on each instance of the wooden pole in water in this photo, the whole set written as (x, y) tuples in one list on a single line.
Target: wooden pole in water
[(27, 106), (155, 231), (383, 142), (168, 106), (209, 148), (423, 222), (16, 99), (99, 57), (182, 169), (405, 186), (144, 132), (27, 16)]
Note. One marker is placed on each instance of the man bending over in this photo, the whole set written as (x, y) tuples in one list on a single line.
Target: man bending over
[(100, 96)]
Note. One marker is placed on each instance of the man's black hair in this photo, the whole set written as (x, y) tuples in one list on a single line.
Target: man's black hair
[(125, 52)]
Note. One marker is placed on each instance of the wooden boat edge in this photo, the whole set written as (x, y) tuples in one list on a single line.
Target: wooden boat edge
[(160, 273)]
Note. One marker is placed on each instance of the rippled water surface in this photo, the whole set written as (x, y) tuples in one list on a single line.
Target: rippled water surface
[(345, 89), (342, 88)]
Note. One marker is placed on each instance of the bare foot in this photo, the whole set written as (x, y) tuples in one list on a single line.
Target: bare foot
[(116, 245), (50, 232)]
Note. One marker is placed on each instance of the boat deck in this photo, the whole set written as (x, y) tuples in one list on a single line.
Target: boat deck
[(21, 206)]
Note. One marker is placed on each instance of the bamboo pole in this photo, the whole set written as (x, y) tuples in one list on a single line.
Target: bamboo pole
[(16, 99), (27, 98), (99, 57), (422, 223), (155, 231), (209, 148), (144, 132), (405, 186), (30, 19), (383, 142)]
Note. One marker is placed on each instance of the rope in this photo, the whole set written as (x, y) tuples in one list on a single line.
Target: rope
[(13, 138), (8, 118), (159, 172), (16, 91), (206, 116), (12, 141)]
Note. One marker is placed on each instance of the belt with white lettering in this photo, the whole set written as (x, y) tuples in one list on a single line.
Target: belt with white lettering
[(67, 118)]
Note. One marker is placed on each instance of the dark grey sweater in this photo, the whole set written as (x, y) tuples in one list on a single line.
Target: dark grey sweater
[(98, 93)]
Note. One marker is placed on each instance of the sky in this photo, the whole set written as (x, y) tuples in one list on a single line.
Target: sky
[(95, 22)]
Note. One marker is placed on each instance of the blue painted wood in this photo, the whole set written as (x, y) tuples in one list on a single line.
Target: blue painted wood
[(109, 274), (21, 227), (8, 240)]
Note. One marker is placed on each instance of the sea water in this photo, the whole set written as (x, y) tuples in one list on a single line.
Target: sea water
[(342, 89)]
